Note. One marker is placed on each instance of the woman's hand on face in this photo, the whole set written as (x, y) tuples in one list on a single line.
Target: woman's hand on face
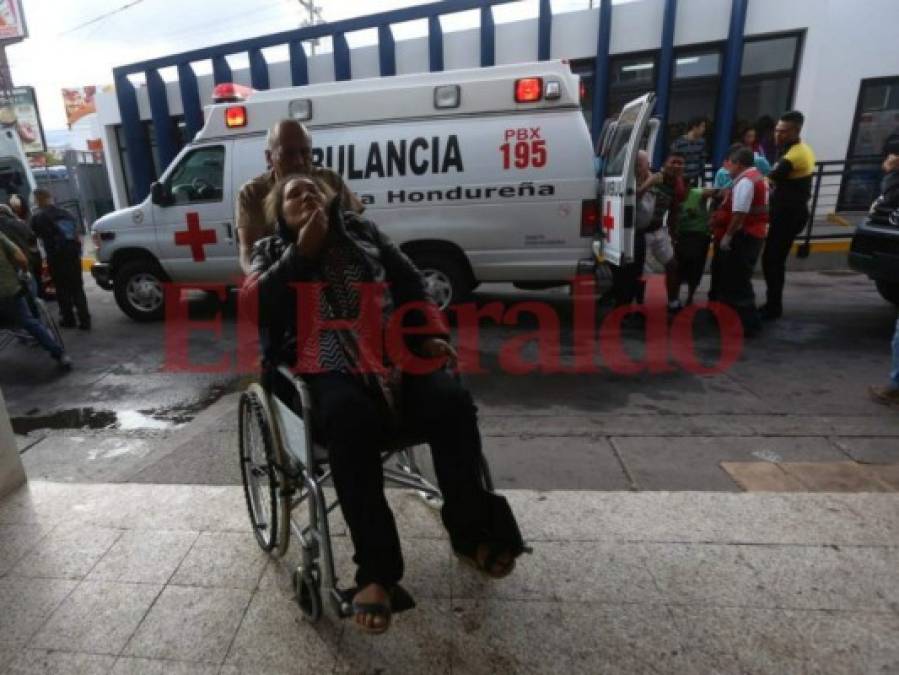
[(437, 347)]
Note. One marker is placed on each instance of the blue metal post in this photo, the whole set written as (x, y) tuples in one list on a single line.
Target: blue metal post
[(221, 71), (730, 80), (544, 30), (342, 70), (664, 77), (299, 71), (258, 69), (488, 37), (137, 144), (601, 67), (435, 44), (190, 99), (162, 120), (386, 50)]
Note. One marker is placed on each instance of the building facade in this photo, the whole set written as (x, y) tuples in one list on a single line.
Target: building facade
[(735, 62)]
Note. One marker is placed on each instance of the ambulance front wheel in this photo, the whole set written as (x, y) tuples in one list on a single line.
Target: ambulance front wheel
[(447, 281), (138, 289)]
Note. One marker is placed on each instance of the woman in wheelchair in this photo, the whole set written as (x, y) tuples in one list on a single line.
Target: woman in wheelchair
[(360, 405)]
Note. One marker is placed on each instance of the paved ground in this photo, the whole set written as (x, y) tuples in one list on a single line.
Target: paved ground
[(167, 579), (796, 396)]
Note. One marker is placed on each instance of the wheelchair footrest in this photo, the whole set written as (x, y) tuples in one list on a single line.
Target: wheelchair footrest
[(400, 599)]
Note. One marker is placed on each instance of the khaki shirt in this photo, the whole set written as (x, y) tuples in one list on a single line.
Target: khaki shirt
[(250, 209)]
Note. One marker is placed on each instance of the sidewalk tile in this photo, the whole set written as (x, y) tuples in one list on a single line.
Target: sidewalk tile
[(190, 624), (144, 556), (414, 518), (833, 477), (26, 604), (762, 477), (274, 637), (97, 618), (223, 560), (566, 571), (33, 661), (871, 450), (778, 641), (16, 541), (705, 574), (418, 641), (825, 577), (135, 666), (500, 636), (885, 473), (7, 654), (67, 552)]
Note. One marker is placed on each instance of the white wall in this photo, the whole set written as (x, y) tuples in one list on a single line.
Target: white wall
[(845, 41)]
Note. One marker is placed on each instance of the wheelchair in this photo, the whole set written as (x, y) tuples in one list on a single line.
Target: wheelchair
[(282, 467), (11, 332)]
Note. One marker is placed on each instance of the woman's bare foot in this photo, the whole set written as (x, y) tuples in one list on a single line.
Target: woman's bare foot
[(494, 565), (371, 607)]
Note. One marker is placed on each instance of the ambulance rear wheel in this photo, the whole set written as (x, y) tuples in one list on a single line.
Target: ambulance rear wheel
[(138, 289), (447, 282)]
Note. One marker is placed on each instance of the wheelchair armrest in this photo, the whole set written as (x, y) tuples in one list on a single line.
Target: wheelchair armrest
[(301, 387)]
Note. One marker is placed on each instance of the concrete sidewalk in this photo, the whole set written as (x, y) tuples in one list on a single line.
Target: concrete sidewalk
[(137, 578)]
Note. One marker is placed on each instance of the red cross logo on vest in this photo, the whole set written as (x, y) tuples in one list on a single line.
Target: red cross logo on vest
[(608, 221), (194, 237)]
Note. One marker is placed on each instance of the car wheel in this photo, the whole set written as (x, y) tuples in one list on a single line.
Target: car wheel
[(447, 282), (139, 291), (889, 291)]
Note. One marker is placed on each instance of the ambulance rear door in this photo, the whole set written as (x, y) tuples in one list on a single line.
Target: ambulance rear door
[(618, 180)]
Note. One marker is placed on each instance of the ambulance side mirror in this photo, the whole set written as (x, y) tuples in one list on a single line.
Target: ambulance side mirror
[(159, 195)]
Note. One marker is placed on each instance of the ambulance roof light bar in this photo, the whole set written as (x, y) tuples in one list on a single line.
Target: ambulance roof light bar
[(229, 92)]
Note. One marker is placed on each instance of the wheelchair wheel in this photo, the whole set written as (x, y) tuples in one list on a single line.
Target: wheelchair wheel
[(307, 590), (260, 478)]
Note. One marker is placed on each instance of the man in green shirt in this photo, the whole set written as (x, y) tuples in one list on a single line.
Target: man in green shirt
[(14, 306)]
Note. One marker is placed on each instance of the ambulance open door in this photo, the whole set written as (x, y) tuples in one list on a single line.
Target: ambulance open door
[(618, 181)]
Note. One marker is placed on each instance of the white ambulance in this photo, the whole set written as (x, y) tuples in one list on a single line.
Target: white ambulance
[(480, 175)]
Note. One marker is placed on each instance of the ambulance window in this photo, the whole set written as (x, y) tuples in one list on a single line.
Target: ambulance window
[(618, 147), (199, 176)]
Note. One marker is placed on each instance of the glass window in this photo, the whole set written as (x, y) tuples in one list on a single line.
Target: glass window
[(618, 147), (697, 65), (631, 77), (769, 56), (694, 92), (199, 176)]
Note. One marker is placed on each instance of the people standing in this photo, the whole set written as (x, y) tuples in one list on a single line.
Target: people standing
[(764, 129), (288, 152), (691, 146), (19, 233), (627, 284), (669, 192), (739, 229), (60, 234), (885, 211), (693, 237), (791, 180), (14, 305)]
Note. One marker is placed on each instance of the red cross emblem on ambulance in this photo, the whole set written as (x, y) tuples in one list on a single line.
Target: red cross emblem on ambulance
[(194, 237), (608, 221)]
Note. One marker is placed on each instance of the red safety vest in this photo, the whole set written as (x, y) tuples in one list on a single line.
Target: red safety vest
[(755, 224)]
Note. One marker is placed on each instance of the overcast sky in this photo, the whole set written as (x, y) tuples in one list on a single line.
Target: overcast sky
[(59, 54)]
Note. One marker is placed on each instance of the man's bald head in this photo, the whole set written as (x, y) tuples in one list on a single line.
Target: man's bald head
[(642, 168), (288, 148)]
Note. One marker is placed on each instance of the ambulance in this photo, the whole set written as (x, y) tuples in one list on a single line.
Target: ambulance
[(479, 175)]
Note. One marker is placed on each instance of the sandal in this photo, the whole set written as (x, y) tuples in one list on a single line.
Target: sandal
[(398, 600), (486, 559)]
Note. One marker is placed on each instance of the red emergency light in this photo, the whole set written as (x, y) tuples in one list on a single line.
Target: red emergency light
[(528, 89), (589, 217), (228, 92), (235, 116)]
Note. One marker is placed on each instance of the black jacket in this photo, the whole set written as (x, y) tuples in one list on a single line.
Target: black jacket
[(22, 236), (885, 209), (59, 230), (276, 264)]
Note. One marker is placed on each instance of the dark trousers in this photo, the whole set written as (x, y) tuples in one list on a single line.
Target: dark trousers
[(734, 270), (786, 224), (626, 280), (353, 425), (691, 251), (65, 268)]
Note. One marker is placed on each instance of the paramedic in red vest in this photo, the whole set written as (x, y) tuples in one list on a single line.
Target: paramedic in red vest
[(740, 227)]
